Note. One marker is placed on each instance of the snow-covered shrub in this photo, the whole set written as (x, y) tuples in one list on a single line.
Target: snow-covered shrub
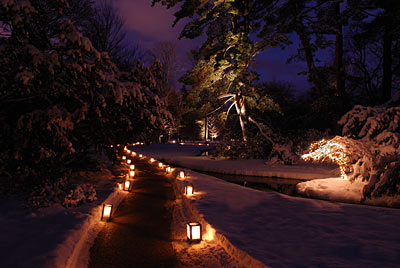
[(60, 192), (378, 128), (257, 148), (49, 193), (342, 150), (370, 150), (81, 194)]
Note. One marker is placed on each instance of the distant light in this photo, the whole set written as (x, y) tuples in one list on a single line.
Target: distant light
[(123, 157), (140, 155), (152, 160), (106, 212), (128, 151), (189, 190), (128, 161), (132, 167), (182, 174), (193, 230), (133, 154), (127, 186), (182, 143), (125, 148), (132, 173), (111, 146), (119, 186), (168, 170), (160, 165)]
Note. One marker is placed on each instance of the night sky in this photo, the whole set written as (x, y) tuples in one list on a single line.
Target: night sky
[(147, 25)]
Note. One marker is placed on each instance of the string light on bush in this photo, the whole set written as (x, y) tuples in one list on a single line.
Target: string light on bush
[(328, 149)]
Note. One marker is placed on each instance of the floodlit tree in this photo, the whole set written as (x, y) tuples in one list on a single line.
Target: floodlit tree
[(224, 59)]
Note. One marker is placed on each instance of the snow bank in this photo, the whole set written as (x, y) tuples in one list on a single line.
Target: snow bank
[(186, 156), (54, 236), (284, 231), (334, 189), (190, 213), (74, 251)]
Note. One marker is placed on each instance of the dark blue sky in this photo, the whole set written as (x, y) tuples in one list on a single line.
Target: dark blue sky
[(148, 25)]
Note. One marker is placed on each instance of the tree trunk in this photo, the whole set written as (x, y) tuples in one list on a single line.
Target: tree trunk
[(305, 42), (387, 63), (339, 67), (241, 111)]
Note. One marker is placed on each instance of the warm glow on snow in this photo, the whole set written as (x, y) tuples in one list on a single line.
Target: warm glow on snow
[(333, 150)]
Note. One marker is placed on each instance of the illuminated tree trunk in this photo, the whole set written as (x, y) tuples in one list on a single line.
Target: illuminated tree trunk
[(241, 111)]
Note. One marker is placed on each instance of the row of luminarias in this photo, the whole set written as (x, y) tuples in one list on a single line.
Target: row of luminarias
[(193, 229)]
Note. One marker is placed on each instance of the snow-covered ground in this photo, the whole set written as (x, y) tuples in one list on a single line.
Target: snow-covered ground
[(242, 226), (54, 236), (283, 231), (185, 155)]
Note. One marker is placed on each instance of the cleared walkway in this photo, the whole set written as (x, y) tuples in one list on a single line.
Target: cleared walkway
[(139, 234)]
